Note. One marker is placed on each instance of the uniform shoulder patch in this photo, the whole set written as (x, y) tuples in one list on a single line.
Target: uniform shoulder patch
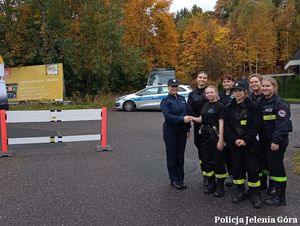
[(282, 113)]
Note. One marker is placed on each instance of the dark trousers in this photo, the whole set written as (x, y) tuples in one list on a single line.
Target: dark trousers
[(197, 139), (245, 160), (274, 160), (175, 142), (228, 163), (212, 159)]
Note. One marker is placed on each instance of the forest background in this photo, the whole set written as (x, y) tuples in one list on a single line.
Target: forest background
[(109, 46)]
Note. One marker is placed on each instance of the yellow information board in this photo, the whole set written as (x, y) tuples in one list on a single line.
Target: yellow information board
[(41, 82)]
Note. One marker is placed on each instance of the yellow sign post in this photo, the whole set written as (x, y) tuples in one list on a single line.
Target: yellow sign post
[(42, 82), (1, 67)]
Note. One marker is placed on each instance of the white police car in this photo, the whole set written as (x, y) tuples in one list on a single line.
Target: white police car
[(148, 98)]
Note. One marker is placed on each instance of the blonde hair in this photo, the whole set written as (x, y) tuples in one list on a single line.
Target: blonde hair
[(259, 76), (272, 81), (215, 89)]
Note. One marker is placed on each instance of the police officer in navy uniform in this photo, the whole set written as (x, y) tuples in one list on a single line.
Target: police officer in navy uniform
[(196, 99), (274, 137), (242, 120), (176, 130)]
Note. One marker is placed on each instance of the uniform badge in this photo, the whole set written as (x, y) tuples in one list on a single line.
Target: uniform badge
[(282, 113)]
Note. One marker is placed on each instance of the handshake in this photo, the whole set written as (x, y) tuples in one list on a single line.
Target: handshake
[(188, 119)]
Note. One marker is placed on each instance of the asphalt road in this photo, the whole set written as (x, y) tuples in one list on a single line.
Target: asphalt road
[(71, 184)]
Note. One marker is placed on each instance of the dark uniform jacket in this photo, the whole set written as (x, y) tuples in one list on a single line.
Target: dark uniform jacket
[(255, 98), (241, 121), (225, 99), (174, 109), (276, 120), (196, 99)]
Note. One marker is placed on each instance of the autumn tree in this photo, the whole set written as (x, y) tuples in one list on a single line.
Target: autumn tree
[(259, 37), (150, 27)]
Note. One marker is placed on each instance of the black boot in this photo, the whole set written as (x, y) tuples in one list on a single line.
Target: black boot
[(205, 181), (229, 181), (263, 182), (239, 195), (211, 185), (219, 192), (278, 199), (255, 197), (271, 190)]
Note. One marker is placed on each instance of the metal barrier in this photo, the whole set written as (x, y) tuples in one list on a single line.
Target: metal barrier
[(53, 116)]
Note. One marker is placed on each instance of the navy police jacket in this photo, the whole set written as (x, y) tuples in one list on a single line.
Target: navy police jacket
[(242, 121), (276, 120), (174, 108)]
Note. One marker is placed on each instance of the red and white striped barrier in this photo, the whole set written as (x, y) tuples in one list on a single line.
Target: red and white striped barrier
[(53, 116)]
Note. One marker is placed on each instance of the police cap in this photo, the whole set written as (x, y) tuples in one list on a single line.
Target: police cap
[(173, 82)]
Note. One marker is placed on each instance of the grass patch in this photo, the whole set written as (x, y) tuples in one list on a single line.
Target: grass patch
[(296, 160), (86, 102), (293, 100)]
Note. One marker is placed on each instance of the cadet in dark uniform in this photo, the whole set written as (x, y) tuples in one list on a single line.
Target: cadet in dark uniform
[(274, 137), (242, 119), (225, 98), (255, 83), (212, 143), (196, 99), (175, 132), (227, 83)]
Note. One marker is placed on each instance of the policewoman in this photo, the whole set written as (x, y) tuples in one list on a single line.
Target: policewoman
[(212, 143), (274, 137), (196, 99), (176, 129), (242, 119)]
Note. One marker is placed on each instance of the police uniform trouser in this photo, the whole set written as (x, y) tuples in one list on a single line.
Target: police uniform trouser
[(212, 159), (175, 141), (275, 164), (244, 159)]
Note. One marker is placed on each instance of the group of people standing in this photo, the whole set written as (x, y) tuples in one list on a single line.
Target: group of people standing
[(241, 137)]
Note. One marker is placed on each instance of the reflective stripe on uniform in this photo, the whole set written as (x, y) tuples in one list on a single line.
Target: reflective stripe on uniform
[(242, 181), (256, 184), (269, 117), (279, 179), (222, 176), (209, 174), (243, 122), (266, 172)]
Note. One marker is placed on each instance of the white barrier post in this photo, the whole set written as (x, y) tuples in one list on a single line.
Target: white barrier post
[(53, 116)]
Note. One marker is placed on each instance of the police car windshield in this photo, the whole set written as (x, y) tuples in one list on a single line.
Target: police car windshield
[(160, 77)]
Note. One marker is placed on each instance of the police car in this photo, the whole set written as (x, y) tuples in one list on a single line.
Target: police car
[(148, 98)]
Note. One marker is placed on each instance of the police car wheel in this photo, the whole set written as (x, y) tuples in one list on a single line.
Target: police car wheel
[(129, 106)]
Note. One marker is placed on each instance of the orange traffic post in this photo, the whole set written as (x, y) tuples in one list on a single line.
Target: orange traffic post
[(103, 146), (4, 139)]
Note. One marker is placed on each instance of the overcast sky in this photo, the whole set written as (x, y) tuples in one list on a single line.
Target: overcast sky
[(204, 4)]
